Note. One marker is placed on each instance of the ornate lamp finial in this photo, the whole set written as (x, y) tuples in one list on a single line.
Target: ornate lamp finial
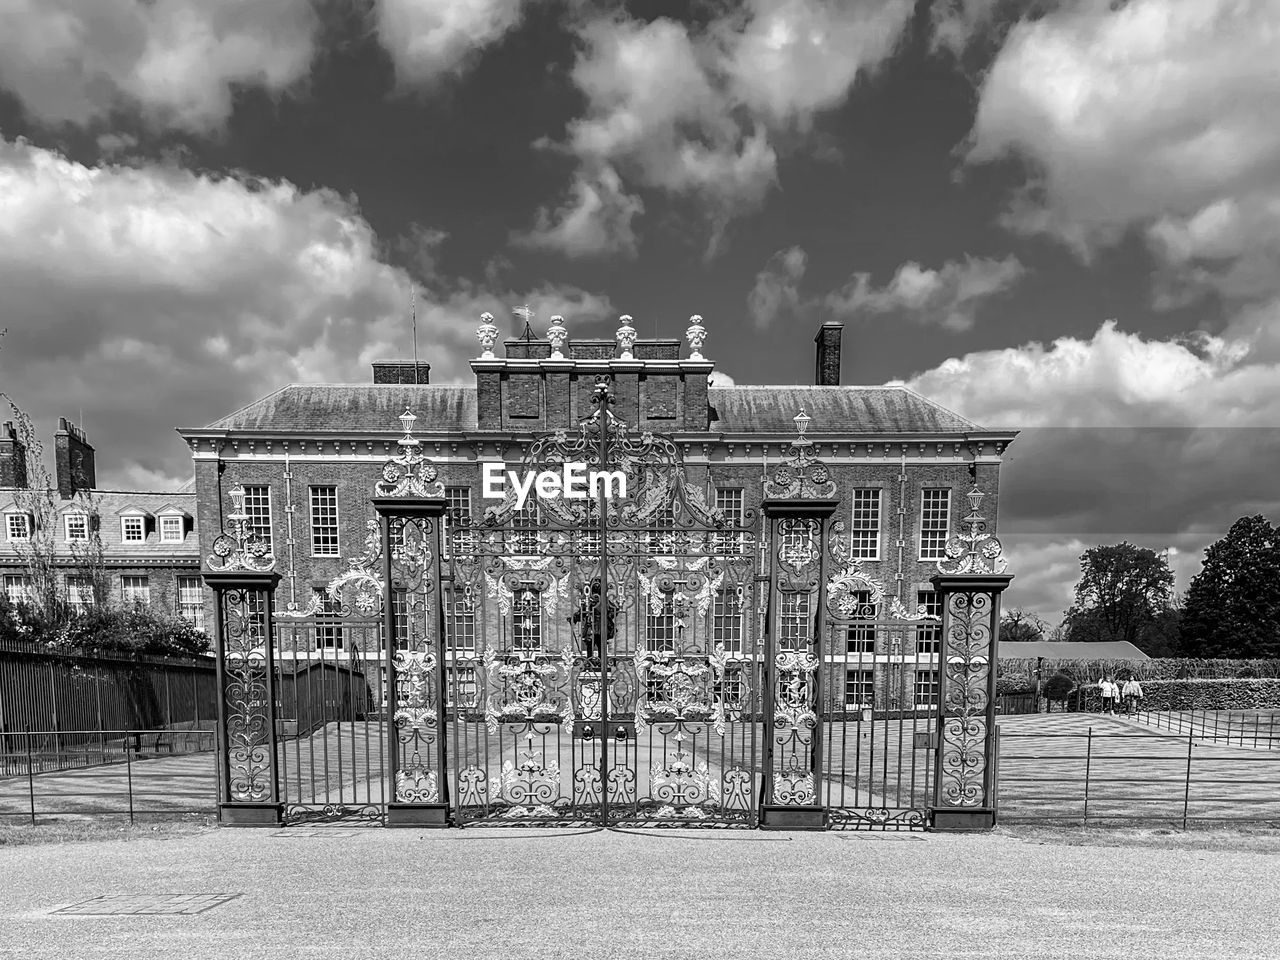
[(972, 550), (241, 548), (626, 336), (696, 334), (487, 334), (557, 333), (411, 474), (802, 476)]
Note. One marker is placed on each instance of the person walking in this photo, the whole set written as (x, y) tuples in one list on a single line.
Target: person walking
[(1109, 692), (1132, 693)]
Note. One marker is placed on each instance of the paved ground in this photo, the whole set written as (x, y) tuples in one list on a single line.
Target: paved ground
[(512, 894)]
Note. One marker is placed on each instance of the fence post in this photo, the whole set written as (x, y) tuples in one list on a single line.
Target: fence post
[(31, 780), (416, 715), (244, 582), (964, 788), (128, 766), (1088, 764), (1186, 796)]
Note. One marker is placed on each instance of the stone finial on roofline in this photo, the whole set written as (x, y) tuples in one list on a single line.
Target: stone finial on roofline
[(696, 334), (626, 336)]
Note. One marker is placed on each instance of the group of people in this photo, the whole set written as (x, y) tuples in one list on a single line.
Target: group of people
[(1116, 696)]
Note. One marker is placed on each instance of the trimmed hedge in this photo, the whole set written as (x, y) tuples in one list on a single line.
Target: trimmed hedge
[(1021, 674), (1198, 694)]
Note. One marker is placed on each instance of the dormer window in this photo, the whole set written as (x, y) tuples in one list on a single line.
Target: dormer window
[(77, 527), (133, 529), (171, 528), (18, 526)]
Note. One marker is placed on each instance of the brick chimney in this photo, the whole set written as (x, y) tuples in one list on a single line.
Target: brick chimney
[(74, 460), (13, 457), (401, 371), (826, 372)]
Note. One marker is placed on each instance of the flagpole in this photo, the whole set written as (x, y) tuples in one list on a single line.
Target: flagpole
[(413, 309)]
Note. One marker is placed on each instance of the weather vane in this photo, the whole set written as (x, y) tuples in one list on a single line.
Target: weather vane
[(527, 315)]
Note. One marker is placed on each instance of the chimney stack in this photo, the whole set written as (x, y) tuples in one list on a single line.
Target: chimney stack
[(74, 460), (401, 371), (13, 457), (827, 368)]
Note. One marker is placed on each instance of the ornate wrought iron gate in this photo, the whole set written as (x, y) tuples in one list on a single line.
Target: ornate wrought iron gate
[(644, 658), (601, 654)]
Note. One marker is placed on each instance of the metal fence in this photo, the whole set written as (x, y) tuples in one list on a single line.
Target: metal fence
[(133, 773), (1109, 774), (1256, 729), (79, 696)]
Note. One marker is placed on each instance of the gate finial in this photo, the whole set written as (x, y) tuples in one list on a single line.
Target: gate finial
[(411, 474), (801, 476), (241, 548), (973, 550)]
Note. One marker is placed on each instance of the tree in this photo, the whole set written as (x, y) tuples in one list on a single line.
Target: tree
[(1122, 592), (1020, 626), (1059, 687), (1233, 603)]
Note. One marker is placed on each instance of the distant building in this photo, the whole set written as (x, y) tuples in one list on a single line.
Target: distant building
[(308, 456), (151, 553)]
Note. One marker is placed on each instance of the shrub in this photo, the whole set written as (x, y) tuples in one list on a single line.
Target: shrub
[(127, 630), (1059, 686)]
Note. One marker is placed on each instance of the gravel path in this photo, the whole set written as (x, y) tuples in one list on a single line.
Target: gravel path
[(332, 892)]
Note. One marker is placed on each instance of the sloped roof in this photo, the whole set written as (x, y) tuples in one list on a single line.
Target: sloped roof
[(373, 408), (1101, 650), (355, 408), (110, 504), (834, 410)]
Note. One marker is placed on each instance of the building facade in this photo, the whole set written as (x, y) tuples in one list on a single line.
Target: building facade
[(308, 455), (150, 553)]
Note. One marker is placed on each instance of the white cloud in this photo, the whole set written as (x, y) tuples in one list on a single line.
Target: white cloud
[(777, 287), (696, 113), (432, 39), (720, 379), (152, 297), (1156, 114), (177, 62), (795, 58), (1115, 379), (948, 297), (594, 220)]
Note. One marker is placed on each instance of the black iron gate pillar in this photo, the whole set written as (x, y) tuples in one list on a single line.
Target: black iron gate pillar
[(410, 504), (799, 503), (970, 583), (243, 582)]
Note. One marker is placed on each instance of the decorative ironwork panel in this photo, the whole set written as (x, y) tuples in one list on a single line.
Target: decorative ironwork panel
[(246, 671), (969, 636), (415, 663)]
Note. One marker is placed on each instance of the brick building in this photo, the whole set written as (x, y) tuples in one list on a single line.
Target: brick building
[(150, 550), (308, 455)]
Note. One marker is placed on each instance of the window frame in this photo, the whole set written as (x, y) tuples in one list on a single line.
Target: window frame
[(182, 527), (128, 519), (66, 526), (125, 588), (879, 523), (253, 507), (941, 546), (312, 491), (183, 607), (27, 525)]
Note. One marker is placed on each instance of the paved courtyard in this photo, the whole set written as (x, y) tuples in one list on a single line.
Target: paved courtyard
[(332, 892)]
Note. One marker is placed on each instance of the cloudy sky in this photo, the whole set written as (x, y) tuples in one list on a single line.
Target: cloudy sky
[(1057, 216)]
